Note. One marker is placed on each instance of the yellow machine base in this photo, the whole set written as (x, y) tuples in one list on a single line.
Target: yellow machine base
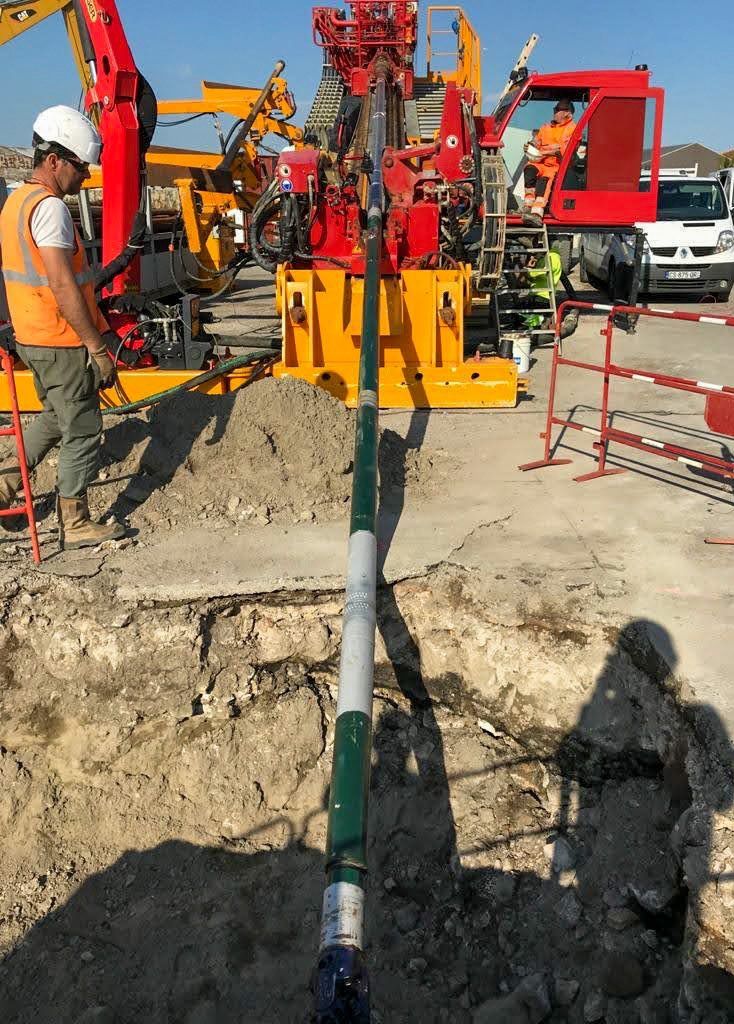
[(422, 316), (132, 386), (422, 366), (490, 384)]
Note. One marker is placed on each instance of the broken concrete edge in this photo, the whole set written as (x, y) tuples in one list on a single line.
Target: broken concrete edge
[(432, 631)]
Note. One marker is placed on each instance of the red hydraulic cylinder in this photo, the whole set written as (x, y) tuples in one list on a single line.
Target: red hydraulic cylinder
[(115, 94)]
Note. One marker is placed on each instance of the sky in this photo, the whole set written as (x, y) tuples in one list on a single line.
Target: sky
[(176, 43)]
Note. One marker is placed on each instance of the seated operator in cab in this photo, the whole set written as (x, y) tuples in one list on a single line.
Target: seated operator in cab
[(545, 152)]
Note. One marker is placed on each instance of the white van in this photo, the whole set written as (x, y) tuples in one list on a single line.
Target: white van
[(689, 248)]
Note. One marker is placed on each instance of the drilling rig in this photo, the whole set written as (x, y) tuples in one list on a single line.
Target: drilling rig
[(394, 218), (449, 176)]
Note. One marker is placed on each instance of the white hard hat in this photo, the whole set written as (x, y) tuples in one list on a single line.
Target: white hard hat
[(70, 129)]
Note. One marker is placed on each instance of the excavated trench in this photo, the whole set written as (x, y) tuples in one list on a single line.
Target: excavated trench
[(551, 831)]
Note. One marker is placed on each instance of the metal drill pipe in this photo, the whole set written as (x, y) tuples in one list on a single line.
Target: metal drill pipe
[(342, 986)]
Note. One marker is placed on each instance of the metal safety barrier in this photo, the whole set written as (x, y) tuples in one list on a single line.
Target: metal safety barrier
[(719, 413), (16, 431)]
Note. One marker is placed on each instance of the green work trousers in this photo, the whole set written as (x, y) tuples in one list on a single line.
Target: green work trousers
[(66, 382)]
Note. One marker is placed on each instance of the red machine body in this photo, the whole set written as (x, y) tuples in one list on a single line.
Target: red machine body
[(373, 29), (620, 124), (115, 95), (618, 128)]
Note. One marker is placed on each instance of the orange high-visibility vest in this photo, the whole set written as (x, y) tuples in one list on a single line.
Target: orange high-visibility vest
[(554, 135), (34, 312)]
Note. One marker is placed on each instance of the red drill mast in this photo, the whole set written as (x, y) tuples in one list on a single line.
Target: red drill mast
[(387, 30)]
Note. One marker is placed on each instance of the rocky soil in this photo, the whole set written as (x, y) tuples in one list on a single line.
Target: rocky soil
[(552, 833)]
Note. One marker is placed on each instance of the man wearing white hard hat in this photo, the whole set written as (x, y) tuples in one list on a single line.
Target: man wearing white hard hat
[(56, 321)]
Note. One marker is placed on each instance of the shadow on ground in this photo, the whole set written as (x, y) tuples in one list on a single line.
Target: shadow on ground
[(607, 929)]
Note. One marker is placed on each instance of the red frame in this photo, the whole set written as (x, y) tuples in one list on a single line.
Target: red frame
[(16, 431), (115, 96), (606, 433), (592, 207), (384, 28)]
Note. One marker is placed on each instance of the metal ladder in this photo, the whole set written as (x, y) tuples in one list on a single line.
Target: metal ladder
[(325, 107), (541, 249), (16, 432), (429, 101)]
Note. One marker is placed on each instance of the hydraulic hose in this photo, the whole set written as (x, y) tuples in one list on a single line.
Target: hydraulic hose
[(135, 245), (220, 370), (264, 255)]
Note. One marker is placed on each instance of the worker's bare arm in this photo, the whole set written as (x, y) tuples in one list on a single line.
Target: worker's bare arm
[(69, 296)]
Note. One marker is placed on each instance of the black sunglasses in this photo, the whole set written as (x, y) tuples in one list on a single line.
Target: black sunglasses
[(78, 165)]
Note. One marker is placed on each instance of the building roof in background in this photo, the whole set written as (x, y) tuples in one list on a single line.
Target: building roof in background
[(669, 150), (15, 163)]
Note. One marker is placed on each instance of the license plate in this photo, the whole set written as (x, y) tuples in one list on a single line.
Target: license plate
[(682, 275)]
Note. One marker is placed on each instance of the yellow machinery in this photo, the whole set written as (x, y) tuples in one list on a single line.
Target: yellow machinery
[(423, 306), (464, 57), (422, 319), (214, 186), (425, 299), (211, 186)]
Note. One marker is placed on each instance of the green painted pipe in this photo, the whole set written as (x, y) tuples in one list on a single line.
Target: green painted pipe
[(341, 982)]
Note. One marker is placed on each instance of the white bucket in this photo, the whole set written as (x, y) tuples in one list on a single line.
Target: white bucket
[(521, 352)]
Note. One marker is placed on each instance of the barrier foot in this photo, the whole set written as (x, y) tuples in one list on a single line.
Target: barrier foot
[(543, 463), (597, 474), (724, 541)]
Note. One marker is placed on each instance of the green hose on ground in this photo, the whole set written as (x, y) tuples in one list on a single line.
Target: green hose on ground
[(263, 356)]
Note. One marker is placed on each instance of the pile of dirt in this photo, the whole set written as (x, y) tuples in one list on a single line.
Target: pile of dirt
[(277, 451)]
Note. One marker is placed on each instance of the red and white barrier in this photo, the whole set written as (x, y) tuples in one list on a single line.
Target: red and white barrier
[(719, 400)]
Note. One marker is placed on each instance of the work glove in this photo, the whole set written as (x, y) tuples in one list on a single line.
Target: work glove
[(105, 366)]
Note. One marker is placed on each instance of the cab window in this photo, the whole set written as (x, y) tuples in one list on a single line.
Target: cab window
[(531, 114), (609, 155)]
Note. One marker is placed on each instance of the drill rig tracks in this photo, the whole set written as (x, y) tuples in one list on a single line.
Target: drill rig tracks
[(494, 193)]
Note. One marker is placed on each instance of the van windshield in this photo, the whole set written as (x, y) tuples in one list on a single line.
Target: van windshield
[(691, 200)]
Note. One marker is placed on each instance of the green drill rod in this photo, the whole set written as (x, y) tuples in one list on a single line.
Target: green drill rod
[(341, 985)]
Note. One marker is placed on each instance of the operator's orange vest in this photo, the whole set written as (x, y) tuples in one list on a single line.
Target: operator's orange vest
[(554, 135), (34, 312)]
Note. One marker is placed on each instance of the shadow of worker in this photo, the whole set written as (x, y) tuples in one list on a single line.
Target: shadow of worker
[(171, 430), (626, 921), (641, 843), (177, 934)]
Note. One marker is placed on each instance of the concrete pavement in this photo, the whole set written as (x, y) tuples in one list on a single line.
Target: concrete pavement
[(629, 546)]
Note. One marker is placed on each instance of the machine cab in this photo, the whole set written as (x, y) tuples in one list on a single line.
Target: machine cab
[(618, 118)]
